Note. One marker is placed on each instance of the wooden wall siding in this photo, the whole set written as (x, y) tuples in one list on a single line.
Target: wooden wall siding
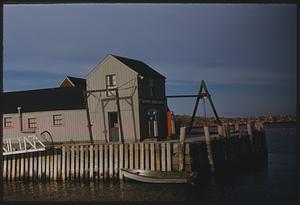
[(125, 78), (74, 125)]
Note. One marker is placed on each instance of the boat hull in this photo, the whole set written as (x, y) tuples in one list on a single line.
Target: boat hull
[(141, 175)]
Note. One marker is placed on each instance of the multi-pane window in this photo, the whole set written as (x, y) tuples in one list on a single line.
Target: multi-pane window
[(7, 122), (110, 84), (32, 123), (152, 87), (57, 120)]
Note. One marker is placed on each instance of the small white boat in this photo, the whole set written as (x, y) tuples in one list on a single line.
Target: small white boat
[(156, 176)]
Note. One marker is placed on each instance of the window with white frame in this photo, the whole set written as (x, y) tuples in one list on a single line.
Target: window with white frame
[(110, 84), (32, 123), (57, 120), (7, 122)]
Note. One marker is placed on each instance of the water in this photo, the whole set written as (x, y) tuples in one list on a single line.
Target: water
[(275, 182)]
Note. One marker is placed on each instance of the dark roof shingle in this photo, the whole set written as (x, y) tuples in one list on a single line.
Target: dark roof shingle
[(67, 98), (140, 67)]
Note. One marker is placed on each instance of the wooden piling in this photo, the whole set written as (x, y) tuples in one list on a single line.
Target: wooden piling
[(21, 167), (47, 166), (17, 167), (116, 161), (77, 156), (13, 168), (5, 168), (163, 157), (142, 156), (126, 156), (147, 167), (31, 166), (157, 156), (43, 176), (96, 162), (105, 161), (208, 146), (81, 171), (101, 167), (63, 163), (169, 159), (59, 166), (111, 161), (51, 166), (136, 155), (121, 148), (237, 127), (72, 158), (131, 156), (39, 166), (86, 162), (91, 175), (152, 155)]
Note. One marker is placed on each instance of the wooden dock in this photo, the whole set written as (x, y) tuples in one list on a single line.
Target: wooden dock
[(85, 162)]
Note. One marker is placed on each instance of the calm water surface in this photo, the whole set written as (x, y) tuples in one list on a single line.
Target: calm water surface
[(275, 182)]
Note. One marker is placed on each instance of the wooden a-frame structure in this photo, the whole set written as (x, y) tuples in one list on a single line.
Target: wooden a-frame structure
[(202, 94)]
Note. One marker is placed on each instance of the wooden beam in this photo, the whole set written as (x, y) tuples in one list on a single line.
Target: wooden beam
[(119, 115), (88, 116)]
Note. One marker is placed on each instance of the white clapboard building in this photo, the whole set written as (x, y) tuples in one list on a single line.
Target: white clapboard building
[(121, 99)]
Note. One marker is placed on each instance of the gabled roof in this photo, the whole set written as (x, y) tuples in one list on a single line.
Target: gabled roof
[(67, 98), (70, 81), (139, 67)]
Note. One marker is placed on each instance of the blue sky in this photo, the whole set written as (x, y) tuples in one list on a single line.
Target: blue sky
[(246, 53)]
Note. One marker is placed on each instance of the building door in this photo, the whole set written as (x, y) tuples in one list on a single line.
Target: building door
[(152, 123), (113, 126)]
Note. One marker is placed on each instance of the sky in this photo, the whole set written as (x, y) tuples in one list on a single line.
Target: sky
[(245, 53)]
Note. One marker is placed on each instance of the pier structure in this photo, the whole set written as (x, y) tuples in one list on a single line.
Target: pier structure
[(210, 153)]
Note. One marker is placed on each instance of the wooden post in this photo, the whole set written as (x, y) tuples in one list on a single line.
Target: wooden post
[(147, 156), (111, 161), (91, 162), (59, 165), (131, 156), (43, 177), (116, 161), (152, 167), (63, 163), (169, 157), (163, 157), (105, 161), (39, 166), (96, 167), (31, 166), (142, 156), (126, 156), (21, 167), (72, 161), (181, 149), (35, 163), (68, 163), (26, 158), (101, 161), (47, 166), (157, 156), (81, 171), (13, 168), (5, 168), (51, 165), (208, 146), (119, 116), (121, 148), (86, 162), (9, 168), (55, 165), (17, 167), (136, 155), (77, 173)]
